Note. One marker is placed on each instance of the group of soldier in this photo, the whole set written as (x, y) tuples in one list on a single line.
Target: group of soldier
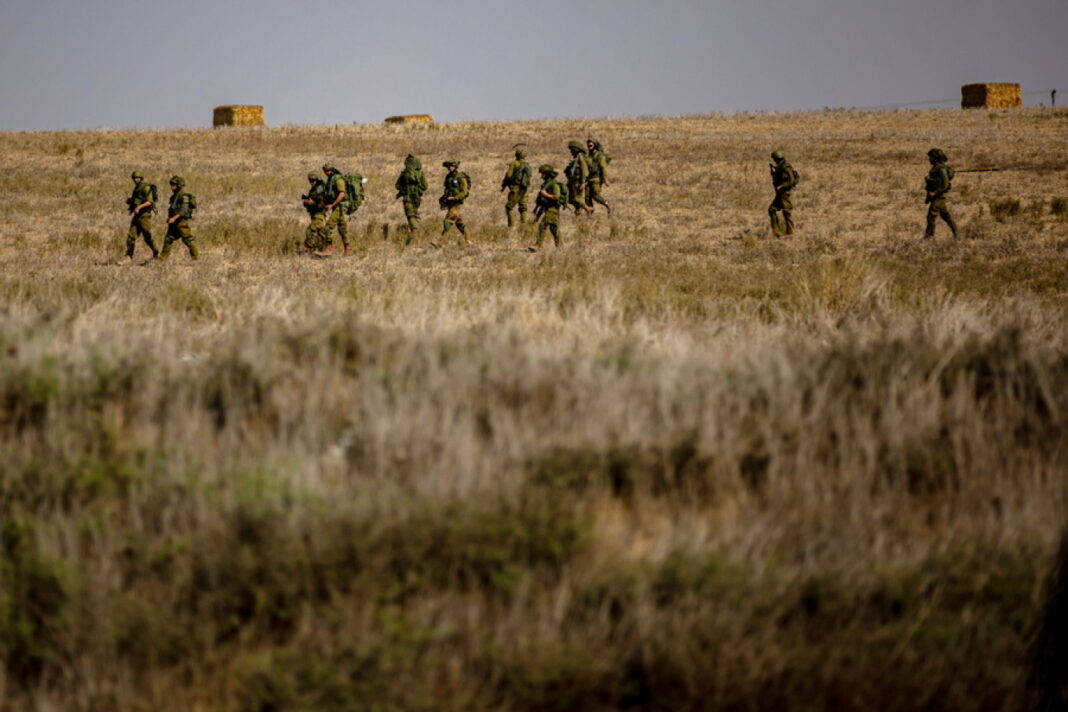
[(329, 201)]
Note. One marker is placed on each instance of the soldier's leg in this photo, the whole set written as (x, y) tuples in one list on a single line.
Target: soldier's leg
[(131, 237), (521, 198), (932, 216), (787, 206), (542, 227), (328, 228), (145, 227), (948, 219), (552, 219), (186, 233), (343, 227), (168, 240), (510, 204), (593, 194), (776, 223)]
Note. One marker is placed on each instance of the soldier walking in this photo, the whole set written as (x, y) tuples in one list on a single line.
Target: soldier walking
[(336, 192), (410, 185), (577, 173), (516, 181), (598, 175), (783, 179), (547, 205), (179, 214), (141, 204), (457, 188), (315, 203), (938, 182)]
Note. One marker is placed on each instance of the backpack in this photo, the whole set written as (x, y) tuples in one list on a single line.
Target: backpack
[(950, 172), (562, 200), (522, 176), (354, 192), (155, 194), (797, 177)]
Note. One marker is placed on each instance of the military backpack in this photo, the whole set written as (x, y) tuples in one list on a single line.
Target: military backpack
[(522, 176), (354, 192)]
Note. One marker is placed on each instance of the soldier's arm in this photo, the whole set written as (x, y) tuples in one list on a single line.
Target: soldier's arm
[(340, 194)]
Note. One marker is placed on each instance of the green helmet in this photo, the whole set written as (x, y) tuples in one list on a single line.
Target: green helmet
[(777, 155), (329, 168), (450, 162), (136, 174), (576, 146), (521, 153), (312, 175), (546, 170), (937, 155), (178, 181)]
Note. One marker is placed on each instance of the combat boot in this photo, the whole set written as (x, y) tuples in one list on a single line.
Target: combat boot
[(327, 251), (346, 252)]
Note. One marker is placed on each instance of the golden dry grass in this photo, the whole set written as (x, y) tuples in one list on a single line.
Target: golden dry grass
[(675, 464)]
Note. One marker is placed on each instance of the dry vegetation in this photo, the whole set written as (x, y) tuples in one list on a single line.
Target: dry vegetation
[(674, 465)]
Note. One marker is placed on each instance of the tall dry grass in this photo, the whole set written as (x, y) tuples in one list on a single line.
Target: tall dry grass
[(673, 465)]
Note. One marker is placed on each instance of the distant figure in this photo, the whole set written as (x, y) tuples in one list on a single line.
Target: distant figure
[(516, 181), (598, 174), (410, 185), (547, 206), (938, 182), (179, 213), (1053, 98), (315, 203), (578, 173), (457, 188), (336, 192), (141, 204), (783, 179)]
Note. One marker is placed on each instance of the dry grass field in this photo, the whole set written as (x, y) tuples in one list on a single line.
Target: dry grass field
[(676, 464)]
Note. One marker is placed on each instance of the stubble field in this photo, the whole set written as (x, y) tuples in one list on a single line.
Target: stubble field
[(675, 465)]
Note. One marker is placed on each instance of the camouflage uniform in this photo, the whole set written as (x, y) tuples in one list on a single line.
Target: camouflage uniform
[(598, 175), (410, 185), (783, 179), (335, 186), (457, 188), (140, 220), (937, 185), (315, 203), (577, 172), (179, 213), (516, 181), (547, 206)]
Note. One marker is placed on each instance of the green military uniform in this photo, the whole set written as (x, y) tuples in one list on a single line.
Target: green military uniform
[(457, 188), (335, 186), (140, 219), (783, 179), (578, 173), (516, 181), (547, 205), (938, 183), (315, 203), (410, 185), (598, 175), (181, 208)]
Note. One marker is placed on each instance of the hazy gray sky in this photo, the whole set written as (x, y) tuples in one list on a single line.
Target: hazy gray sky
[(67, 64)]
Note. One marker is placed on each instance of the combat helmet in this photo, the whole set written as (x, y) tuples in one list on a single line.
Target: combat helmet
[(450, 162), (329, 168), (136, 174), (547, 170), (520, 152), (576, 146), (594, 142), (777, 156), (937, 155), (178, 181), (312, 175)]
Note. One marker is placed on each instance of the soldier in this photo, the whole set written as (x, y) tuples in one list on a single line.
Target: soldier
[(516, 181), (457, 188), (598, 175), (315, 203), (547, 206), (141, 204), (783, 179), (577, 172), (410, 185), (937, 184), (179, 213), (335, 195)]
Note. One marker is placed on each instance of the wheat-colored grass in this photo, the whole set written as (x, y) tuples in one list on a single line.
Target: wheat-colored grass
[(675, 464)]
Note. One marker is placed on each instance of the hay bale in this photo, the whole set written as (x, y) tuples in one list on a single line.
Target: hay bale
[(238, 116), (410, 119), (990, 96)]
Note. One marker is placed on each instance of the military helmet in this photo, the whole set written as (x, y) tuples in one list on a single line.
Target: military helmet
[(312, 175), (593, 142), (777, 155), (936, 154), (546, 169), (178, 181), (329, 168), (136, 174), (576, 146), (450, 162), (521, 153)]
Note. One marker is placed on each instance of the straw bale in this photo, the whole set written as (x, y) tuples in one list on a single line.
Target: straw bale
[(410, 119), (991, 96), (238, 116)]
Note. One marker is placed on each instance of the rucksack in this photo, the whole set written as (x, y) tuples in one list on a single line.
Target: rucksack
[(522, 176), (155, 193), (353, 192), (950, 173), (562, 200), (797, 177), (191, 201)]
